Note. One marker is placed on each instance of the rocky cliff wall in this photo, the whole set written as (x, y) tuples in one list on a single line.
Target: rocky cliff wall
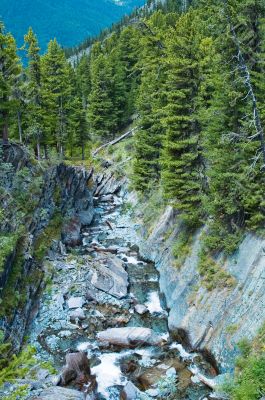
[(69, 192), (213, 321)]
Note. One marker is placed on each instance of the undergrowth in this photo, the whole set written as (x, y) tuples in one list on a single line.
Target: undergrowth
[(249, 380)]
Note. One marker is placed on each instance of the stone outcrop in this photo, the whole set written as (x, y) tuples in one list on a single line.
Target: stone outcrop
[(212, 321), (111, 277), (129, 337), (56, 393), (67, 189)]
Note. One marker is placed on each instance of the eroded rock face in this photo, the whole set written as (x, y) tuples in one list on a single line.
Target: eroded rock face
[(59, 393), (111, 277), (208, 317), (129, 337)]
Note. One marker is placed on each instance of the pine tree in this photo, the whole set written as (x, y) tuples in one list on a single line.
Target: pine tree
[(150, 102), (55, 93), (101, 116), (181, 157), (10, 69), (35, 120)]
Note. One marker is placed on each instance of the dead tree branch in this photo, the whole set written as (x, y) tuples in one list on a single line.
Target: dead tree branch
[(115, 141)]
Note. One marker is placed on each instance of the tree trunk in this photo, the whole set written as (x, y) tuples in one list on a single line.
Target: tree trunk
[(5, 127), (83, 151), (19, 126), (38, 150), (248, 83), (46, 152)]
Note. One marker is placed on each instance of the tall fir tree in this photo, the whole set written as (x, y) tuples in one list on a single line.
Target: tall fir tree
[(181, 156), (10, 69)]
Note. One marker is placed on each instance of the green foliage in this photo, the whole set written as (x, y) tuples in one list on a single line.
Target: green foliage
[(182, 247), (7, 246), (249, 379), (44, 240), (212, 273), (17, 366)]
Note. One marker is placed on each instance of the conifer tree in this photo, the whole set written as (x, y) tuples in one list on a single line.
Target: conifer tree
[(35, 120), (181, 158), (10, 69), (55, 92), (101, 115), (150, 102)]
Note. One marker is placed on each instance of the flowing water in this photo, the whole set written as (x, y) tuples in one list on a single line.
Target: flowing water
[(57, 330)]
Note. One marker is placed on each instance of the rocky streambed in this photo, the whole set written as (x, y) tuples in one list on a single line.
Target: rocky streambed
[(103, 300)]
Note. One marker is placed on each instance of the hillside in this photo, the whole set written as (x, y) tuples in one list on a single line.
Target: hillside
[(69, 21)]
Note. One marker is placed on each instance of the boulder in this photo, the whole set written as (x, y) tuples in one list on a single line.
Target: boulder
[(75, 302), (130, 392), (110, 278), (77, 371), (56, 393), (78, 313), (141, 309), (129, 337), (71, 235)]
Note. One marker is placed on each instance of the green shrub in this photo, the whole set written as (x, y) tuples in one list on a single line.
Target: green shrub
[(43, 242), (249, 380), (18, 366), (7, 246)]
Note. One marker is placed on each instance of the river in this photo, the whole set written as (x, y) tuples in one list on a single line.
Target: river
[(82, 298)]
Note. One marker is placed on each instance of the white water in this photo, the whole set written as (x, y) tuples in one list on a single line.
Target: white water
[(108, 372), (153, 303)]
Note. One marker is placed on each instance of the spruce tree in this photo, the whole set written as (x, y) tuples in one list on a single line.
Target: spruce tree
[(181, 156), (10, 69), (35, 120), (55, 92)]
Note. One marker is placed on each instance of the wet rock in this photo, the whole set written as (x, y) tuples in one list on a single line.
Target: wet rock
[(129, 336), (71, 235), (171, 372), (78, 314), (77, 371), (56, 393), (130, 392), (75, 302), (112, 279), (106, 198), (141, 309)]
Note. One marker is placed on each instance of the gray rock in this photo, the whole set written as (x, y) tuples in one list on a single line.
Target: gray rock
[(56, 393), (152, 392), (130, 392), (75, 302), (78, 313), (171, 372), (141, 309), (129, 336), (112, 278)]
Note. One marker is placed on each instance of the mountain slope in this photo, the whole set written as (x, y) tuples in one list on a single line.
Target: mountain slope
[(70, 21)]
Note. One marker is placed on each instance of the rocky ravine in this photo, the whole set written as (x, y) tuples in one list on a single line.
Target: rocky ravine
[(103, 301), (212, 321)]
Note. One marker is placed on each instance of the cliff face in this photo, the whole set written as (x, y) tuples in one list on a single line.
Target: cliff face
[(214, 321), (66, 190)]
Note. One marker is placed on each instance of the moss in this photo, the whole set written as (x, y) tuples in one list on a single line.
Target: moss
[(212, 274), (44, 241), (7, 246), (182, 248), (231, 329)]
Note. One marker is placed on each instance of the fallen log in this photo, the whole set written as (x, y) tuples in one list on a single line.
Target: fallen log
[(115, 141)]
